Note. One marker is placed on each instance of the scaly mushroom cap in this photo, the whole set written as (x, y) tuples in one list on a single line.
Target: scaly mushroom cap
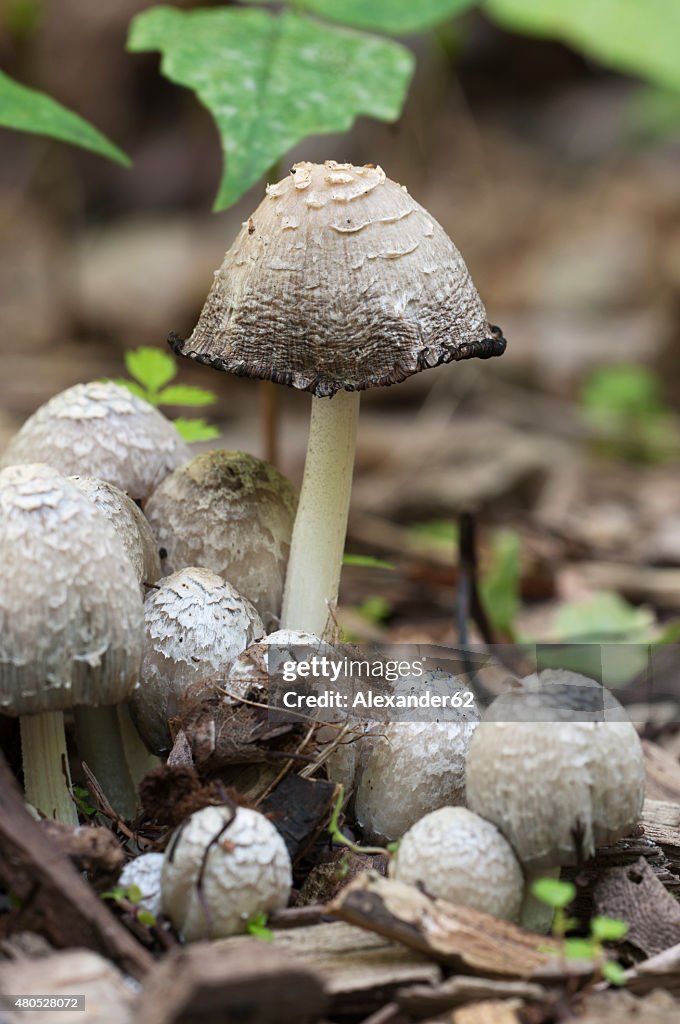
[(557, 789), (340, 280), (232, 513), (101, 429), (71, 618), (129, 523), (196, 625), (460, 857), (243, 869), (249, 674)]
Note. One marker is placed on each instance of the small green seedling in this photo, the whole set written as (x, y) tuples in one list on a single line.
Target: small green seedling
[(559, 895), (128, 899), (257, 927), (152, 370), (336, 834), (83, 801)]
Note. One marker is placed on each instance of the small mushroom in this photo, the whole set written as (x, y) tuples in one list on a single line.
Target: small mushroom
[(128, 522), (344, 283), (222, 867), (145, 872), (457, 856), (196, 626), (559, 768), (71, 620), (249, 674), (101, 429), (232, 513)]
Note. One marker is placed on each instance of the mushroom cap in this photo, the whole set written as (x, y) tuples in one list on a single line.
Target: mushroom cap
[(129, 523), (340, 280), (556, 789), (556, 695), (145, 872), (245, 868), (406, 770), (196, 625), (460, 857), (232, 513), (249, 674), (101, 429), (71, 616)]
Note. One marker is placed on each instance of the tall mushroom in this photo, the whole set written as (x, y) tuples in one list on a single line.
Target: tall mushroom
[(71, 620), (339, 282)]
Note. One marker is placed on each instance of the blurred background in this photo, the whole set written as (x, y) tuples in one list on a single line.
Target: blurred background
[(559, 181)]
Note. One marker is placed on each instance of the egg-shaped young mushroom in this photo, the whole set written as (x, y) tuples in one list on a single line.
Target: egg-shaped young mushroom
[(71, 620), (339, 281), (101, 429), (196, 625), (249, 674), (457, 856), (223, 866), (232, 513), (129, 523), (559, 769)]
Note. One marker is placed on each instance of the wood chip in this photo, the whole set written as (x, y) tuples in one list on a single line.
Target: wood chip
[(467, 939), (420, 1000), (634, 894), (663, 773), (491, 1011)]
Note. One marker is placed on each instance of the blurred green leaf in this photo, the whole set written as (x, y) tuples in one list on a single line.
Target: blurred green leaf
[(499, 588), (195, 429), (613, 972), (608, 929), (152, 367), (370, 561), (133, 893), (186, 394), (270, 80), (146, 918), (442, 532), (553, 892), (627, 389), (257, 926), (397, 17), (653, 115), (27, 110), (630, 35), (604, 616), (578, 949), (375, 609)]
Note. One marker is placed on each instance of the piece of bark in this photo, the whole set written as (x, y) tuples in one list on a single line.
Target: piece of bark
[(219, 732), (55, 901), (108, 999), (616, 1006), (635, 895), (491, 1011), (248, 981), (420, 1000), (662, 772), (387, 1014), (91, 848), (468, 940), (660, 971), (334, 870), (299, 808)]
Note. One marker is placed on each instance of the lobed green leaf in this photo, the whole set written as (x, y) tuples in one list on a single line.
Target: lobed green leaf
[(195, 429), (186, 394), (552, 891), (152, 367), (396, 17)]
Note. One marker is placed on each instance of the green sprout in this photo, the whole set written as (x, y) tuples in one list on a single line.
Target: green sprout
[(257, 927), (559, 895), (128, 899), (338, 836), (152, 370)]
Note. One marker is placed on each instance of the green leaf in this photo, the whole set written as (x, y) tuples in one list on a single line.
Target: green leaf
[(146, 918), (271, 80), (195, 429), (369, 561), (133, 893), (257, 926), (578, 949), (186, 394), (396, 17), (375, 609), (626, 389), (629, 35), (152, 367), (442, 532), (500, 587), (27, 110), (132, 386), (552, 891), (608, 929), (613, 972), (603, 616), (117, 894)]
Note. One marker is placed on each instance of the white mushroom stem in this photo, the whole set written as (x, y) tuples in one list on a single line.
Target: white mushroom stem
[(47, 781), (318, 542), (113, 751), (536, 915)]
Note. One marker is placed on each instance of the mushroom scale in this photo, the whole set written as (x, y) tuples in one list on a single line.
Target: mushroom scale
[(101, 429), (340, 281), (196, 626), (458, 856), (232, 513), (223, 867)]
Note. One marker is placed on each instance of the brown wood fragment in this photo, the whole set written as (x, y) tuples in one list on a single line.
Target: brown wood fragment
[(420, 1000), (663, 773), (335, 869), (299, 808), (387, 1014), (660, 971), (634, 894), (245, 980), (55, 901), (467, 939), (91, 848), (491, 1011)]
